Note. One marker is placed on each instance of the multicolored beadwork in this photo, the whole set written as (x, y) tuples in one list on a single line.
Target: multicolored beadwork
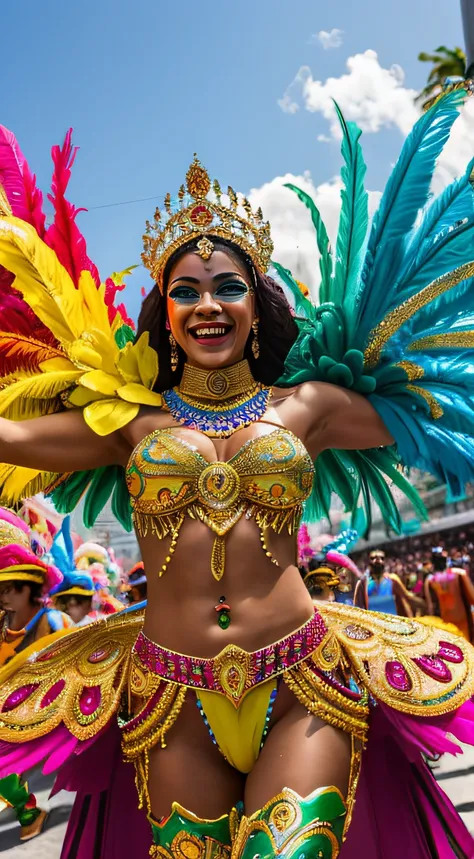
[(217, 424), (234, 671)]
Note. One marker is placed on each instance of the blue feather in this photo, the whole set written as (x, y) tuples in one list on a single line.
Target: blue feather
[(405, 194)]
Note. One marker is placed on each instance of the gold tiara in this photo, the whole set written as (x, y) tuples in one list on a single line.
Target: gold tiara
[(192, 215)]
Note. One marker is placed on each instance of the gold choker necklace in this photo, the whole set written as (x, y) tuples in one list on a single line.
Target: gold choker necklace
[(224, 384), (218, 402)]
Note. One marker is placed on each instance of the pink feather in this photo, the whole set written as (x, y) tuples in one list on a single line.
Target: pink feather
[(64, 236), (335, 557), (19, 183), (16, 316)]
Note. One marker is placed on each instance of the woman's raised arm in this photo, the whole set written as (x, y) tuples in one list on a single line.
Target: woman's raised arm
[(59, 442)]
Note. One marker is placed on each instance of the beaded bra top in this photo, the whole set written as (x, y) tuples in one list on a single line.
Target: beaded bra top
[(268, 479)]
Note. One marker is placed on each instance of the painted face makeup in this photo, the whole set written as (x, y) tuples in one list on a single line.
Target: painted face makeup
[(210, 306)]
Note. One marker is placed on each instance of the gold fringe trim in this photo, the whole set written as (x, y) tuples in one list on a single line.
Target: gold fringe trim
[(356, 760), (137, 743), (330, 705)]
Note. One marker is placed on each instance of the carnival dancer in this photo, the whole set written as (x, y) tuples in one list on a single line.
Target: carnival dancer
[(24, 580), (449, 593), (137, 583), (243, 707)]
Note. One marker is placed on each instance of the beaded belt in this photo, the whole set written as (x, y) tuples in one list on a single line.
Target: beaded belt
[(233, 672)]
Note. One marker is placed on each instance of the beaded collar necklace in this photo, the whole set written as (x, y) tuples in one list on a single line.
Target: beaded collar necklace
[(217, 402)]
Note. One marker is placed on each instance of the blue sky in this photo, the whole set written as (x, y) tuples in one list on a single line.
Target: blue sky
[(147, 83)]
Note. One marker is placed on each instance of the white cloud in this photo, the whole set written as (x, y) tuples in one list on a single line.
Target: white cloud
[(292, 229), (328, 40), (376, 98), (370, 95), (287, 104)]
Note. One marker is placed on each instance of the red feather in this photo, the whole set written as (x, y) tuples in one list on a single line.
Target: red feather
[(19, 183), (64, 236), (111, 290), (21, 352), (15, 314)]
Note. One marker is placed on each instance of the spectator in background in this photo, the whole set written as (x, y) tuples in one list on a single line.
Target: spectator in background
[(384, 591), (137, 583), (449, 594)]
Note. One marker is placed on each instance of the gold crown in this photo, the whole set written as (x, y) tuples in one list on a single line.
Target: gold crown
[(194, 216)]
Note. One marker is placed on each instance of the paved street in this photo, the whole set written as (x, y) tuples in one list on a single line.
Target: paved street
[(456, 775)]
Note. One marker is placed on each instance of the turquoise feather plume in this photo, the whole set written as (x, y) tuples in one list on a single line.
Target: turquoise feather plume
[(409, 280)]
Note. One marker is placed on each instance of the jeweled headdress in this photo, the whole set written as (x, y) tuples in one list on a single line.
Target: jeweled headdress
[(192, 215)]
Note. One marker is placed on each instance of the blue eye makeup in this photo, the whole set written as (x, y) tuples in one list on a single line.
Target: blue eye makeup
[(184, 295), (233, 290), (230, 291)]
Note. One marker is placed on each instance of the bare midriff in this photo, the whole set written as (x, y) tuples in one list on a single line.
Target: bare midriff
[(267, 601)]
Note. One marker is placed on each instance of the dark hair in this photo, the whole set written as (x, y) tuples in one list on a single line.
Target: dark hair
[(277, 328), (141, 590), (36, 590)]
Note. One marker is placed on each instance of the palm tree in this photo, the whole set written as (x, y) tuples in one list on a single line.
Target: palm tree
[(467, 11), (447, 63)]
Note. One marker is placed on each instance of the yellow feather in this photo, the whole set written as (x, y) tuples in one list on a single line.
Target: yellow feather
[(147, 360), (97, 380), (118, 277), (127, 363), (96, 312), (80, 397), (17, 482), (41, 386), (136, 393), (53, 364), (41, 279), (106, 416)]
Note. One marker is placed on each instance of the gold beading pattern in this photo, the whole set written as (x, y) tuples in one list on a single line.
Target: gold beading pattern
[(436, 410), (448, 340), (394, 320)]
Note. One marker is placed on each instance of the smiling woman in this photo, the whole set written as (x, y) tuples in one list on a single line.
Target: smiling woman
[(245, 709)]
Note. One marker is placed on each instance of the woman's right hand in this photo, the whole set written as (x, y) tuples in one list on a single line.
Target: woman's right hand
[(60, 442)]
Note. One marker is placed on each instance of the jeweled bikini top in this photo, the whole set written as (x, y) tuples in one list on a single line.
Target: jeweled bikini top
[(269, 478)]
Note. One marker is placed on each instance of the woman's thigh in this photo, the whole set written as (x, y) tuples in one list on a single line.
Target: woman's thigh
[(191, 770), (302, 753)]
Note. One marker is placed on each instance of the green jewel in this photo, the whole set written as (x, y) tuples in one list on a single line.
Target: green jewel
[(223, 620)]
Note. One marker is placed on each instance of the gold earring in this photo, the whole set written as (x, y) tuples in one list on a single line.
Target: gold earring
[(173, 353), (255, 344)]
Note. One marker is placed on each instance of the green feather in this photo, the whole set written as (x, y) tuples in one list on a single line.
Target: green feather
[(121, 502), (354, 218), (324, 247)]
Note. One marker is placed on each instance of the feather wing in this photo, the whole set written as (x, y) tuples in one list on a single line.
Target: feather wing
[(19, 184)]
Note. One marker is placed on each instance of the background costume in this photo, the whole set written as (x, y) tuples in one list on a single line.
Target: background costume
[(19, 564), (392, 325)]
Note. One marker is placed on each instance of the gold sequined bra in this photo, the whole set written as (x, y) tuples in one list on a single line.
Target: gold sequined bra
[(268, 479)]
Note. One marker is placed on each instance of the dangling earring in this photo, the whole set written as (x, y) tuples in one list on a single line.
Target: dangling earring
[(255, 344), (173, 353)]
